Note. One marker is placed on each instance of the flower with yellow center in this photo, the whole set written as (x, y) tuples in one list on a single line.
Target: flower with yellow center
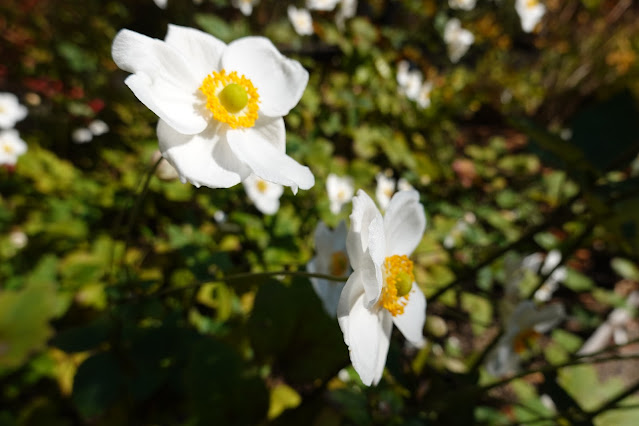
[(331, 259), (11, 147), (265, 195), (220, 106), (530, 13), (11, 111), (340, 191), (381, 291), (522, 329)]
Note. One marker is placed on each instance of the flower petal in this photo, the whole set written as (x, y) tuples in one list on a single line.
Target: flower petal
[(352, 291), (162, 80), (203, 51), (411, 322), (203, 159), (404, 223), (254, 148), (280, 81), (367, 341)]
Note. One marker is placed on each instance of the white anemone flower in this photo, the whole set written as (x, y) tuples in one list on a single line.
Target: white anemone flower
[(11, 147), (245, 6), (409, 81), (457, 39), (264, 194), (462, 4), (423, 97), (160, 3), (301, 20), (98, 127), (530, 13), (325, 5), (11, 111), (340, 191), (385, 189), (330, 259), (524, 326), (81, 135), (381, 291), (347, 9), (220, 106)]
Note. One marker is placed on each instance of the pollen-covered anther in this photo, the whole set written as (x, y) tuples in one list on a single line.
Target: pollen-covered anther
[(231, 99), (398, 281), (525, 339)]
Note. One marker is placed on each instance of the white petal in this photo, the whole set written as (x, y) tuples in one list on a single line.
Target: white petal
[(502, 360), (162, 80), (329, 292), (323, 240), (411, 322), (598, 340), (548, 317), (368, 341), (363, 213), (203, 159), (352, 291), (202, 50), (253, 147), (404, 223), (280, 81), (386, 327)]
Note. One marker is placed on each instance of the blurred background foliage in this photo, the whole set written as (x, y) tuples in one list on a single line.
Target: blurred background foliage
[(122, 309)]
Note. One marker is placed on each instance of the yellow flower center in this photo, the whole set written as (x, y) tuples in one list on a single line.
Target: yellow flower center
[(262, 186), (339, 263), (232, 99), (525, 339), (398, 280), (532, 3), (8, 149)]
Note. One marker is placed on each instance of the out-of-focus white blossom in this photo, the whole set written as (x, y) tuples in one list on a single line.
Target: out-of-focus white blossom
[(245, 6), (18, 239), (423, 97), (457, 39), (340, 191), (98, 127), (462, 4), (81, 135), (325, 5), (11, 147), (385, 189), (160, 3), (301, 20), (265, 195), (530, 13), (11, 111)]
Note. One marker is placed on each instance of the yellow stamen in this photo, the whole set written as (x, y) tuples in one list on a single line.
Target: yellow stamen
[(525, 340), (398, 280), (8, 149), (339, 264), (532, 3), (262, 186), (232, 99)]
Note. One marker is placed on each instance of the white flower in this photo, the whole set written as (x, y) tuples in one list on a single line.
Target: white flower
[(331, 259), (410, 81), (347, 9), (11, 147), (11, 111), (98, 127), (615, 328), (301, 20), (265, 195), (523, 327), (18, 239), (462, 4), (423, 97), (530, 13), (385, 189), (557, 275), (404, 185), (381, 290), (81, 135), (340, 191), (245, 6), (457, 39), (321, 4), (220, 106), (160, 3)]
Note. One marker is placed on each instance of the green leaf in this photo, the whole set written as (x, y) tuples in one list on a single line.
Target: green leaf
[(98, 383)]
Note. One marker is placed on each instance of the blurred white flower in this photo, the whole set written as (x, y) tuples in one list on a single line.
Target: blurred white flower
[(81, 135), (164, 171), (385, 189), (557, 275), (301, 20), (265, 195), (462, 4), (330, 259), (381, 290), (160, 3), (321, 4), (347, 9), (98, 127), (423, 97), (11, 147), (530, 13), (409, 81), (457, 39), (404, 185), (18, 239), (524, 326), (340, 191), (614, 329), (245, 6), (220, 106), (11, 111)]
